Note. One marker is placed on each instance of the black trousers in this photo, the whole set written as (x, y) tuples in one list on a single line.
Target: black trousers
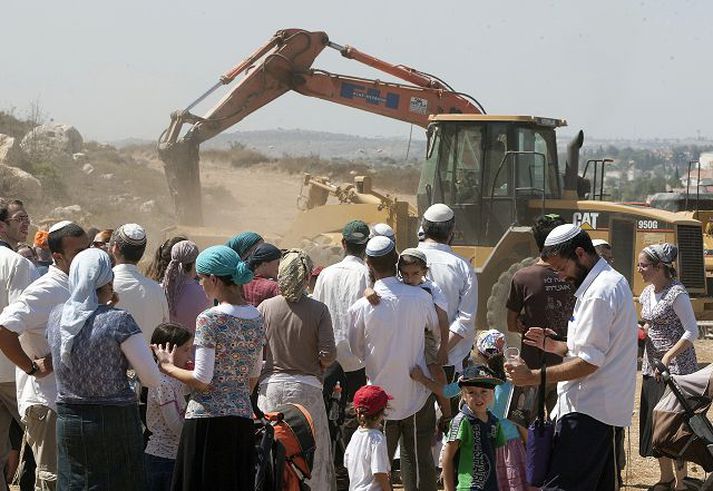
[(584, 456)]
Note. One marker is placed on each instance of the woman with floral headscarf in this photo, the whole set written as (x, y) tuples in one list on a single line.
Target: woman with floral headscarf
[(186, 299), (300, 345), (671, 328), (217, 447), (99, 437)]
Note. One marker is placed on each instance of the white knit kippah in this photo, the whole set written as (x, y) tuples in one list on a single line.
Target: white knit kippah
[(59, 226), (133, 233), (379, 246), (599, 242), (562, 233), (438, 213), (382, 229)]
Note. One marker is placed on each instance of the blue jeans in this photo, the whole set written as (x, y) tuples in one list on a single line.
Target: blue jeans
[(159, 472), (100, 448)]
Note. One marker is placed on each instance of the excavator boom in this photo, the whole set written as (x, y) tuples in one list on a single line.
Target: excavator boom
[(282, 64)]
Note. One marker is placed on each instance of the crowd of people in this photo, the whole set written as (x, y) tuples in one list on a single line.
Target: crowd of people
[(118, 378)]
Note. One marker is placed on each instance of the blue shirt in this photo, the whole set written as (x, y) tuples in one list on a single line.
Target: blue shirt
[(98, 371)]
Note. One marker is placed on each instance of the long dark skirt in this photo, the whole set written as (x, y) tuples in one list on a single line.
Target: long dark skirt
[(100, 448), (216, 454), (651, 393)]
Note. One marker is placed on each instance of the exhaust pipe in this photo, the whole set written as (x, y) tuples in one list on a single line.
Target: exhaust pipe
[(571, 175)]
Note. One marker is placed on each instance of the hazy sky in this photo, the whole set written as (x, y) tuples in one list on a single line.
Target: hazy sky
[(615, 68)]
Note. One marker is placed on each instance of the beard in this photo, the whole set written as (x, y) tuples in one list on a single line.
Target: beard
[(581, 272)]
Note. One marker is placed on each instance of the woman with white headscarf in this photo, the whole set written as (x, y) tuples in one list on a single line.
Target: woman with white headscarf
[(186, 298), (300, 345), (671, 329), (99, 435)]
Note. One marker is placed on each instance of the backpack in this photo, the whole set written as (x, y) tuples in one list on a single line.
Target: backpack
[(285, 449)]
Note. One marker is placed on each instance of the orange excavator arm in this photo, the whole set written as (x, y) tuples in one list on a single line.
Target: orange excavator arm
[(282, 64)]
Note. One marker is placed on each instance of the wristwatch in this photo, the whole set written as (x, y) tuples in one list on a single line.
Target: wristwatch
[(34, 368)]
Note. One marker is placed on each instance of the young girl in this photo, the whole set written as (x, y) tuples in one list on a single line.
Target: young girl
[(166, 408), (469, 461), (413, 267), (511, 456), (366, 457)]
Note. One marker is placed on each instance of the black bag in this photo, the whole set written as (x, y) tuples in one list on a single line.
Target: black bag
[(540, 435)]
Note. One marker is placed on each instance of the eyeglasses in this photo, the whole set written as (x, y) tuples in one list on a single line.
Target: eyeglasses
[(19, 219)]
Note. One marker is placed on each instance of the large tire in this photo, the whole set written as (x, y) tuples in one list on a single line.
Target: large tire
[(497, 310)]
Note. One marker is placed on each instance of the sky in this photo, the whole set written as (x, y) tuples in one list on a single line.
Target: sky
[(615, 68)]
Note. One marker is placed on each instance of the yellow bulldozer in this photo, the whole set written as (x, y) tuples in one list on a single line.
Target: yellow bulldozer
[(498, 173)]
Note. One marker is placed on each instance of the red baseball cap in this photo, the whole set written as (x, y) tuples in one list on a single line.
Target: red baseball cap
[(370, 399)]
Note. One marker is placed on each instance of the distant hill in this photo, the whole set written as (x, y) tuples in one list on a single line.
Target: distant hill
[(301, 143)]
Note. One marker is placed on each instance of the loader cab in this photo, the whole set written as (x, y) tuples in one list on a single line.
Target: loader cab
[(490, 170)]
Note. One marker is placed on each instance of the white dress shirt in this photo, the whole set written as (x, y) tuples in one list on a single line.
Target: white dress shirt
[(389, 339), (16, 273), (602, 332), (457, 279), (142, 297), (27, 316), (338, 287)]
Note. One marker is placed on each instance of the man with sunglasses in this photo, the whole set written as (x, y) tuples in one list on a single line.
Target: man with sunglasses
[(16, 273), (14, 223)]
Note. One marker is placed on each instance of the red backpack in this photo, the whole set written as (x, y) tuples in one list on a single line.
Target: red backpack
[(286, 445)]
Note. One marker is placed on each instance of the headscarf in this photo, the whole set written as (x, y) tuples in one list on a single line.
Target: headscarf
[(242, 243), (183, 252), (90, 270), (490, 342), (662, 253), (221, 260), (264, 253), (295, 268)]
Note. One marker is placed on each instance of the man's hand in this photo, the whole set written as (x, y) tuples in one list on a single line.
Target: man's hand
[(44, 366), (519, 374), (541, 338), (372, 296)]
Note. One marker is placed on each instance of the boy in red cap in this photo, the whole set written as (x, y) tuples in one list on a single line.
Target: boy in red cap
[(366, 457)]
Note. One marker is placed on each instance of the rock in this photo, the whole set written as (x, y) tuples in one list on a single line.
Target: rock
[(88, 169), (80, 157), (148, 206), (108, 177), (74, 213), (16, 183), (52, 138), (10, 152)]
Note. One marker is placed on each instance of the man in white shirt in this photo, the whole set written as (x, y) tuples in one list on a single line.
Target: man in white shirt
[(142, 297), (338, 287), (596, 381), (456, 278), (27, 318), (389, 339), (16, 273)]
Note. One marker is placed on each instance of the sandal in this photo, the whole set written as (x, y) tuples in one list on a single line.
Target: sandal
[(663, 486)]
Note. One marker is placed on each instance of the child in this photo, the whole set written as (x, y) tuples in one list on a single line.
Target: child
[(511, 456), (366, 457), (166, 407), (469, 461), (413, 267)]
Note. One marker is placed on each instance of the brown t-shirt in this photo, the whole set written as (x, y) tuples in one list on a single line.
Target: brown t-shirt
[(296, 333), (543, 300)]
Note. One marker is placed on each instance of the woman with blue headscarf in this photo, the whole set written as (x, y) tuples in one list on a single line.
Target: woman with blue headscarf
[(217, 448), (99, 435)]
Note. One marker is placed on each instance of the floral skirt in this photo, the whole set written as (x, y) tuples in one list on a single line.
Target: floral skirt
[(274, 394)]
